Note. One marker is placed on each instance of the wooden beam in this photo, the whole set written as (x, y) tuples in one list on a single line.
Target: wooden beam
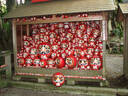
[(89, 18)]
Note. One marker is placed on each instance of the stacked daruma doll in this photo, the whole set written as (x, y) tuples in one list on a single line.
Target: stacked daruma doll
[(69, 45)]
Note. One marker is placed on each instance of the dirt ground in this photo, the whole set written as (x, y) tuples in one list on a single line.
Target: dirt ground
[(29, 92)]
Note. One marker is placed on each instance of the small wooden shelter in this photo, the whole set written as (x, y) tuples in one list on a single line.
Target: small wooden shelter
[(60, 11)]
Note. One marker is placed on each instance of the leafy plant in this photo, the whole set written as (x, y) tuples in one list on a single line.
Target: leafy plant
[(5, 37), (118, 30), (5, 31)]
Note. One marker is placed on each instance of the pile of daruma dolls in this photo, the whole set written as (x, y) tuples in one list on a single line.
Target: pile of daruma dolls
[(65, 45)]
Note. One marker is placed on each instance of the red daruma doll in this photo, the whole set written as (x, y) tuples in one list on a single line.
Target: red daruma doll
[(21, 61), (36, 62), (60, 62), (96, 62), (33, 52), (83, 63), (50, 63), (71, 62), (43, 63), (28, 61), (44, 50), (58, 79)]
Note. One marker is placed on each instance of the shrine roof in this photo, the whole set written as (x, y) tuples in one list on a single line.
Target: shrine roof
[(124, 7), (61, 7)]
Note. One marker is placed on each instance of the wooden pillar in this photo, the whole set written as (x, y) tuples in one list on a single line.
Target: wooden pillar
[(14, 43), (8, 63), (21, 36), (104, 38), (125, 66), (27, 30)]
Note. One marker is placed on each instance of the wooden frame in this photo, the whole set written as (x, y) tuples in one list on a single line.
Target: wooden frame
[(102, 17)]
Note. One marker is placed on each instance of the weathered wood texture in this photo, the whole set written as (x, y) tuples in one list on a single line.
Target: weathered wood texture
[(126, 47), (62, 7), (14, 43), (89, 18)]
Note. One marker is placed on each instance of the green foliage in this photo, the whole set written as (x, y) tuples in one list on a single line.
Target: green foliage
[(3, 10), (118, 30), (5, 31), (5, 37)]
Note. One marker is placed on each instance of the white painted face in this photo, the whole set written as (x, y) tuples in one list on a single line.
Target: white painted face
[(20, 61), (69, 36), (64, 45), (42, 30), (63, 55), (96, 33), (46, 38), (85, 37), (26, 43), (54, 47), (82, 27), (82, 53), (50, 62), (44, 49), (53, 55), (61, 25), (89, 30), (83, 62), (35, 31), (41, 36), (36, 37), (37, 61), (79, 33), (90, 50), (41, 63), (52, 35), (29, 61), (69, 61), (40, 25), (58, 79), (66, 26), (25, 55), (96, 61), (57, 61), (34, 51)]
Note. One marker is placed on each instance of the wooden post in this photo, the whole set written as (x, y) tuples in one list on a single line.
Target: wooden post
[(125, 67), (8, 63), (104, 44), (14, 43), (104, 36), (27, 30), (21, 36)]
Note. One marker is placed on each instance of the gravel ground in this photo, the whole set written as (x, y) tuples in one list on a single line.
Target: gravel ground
[(114, 66)]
